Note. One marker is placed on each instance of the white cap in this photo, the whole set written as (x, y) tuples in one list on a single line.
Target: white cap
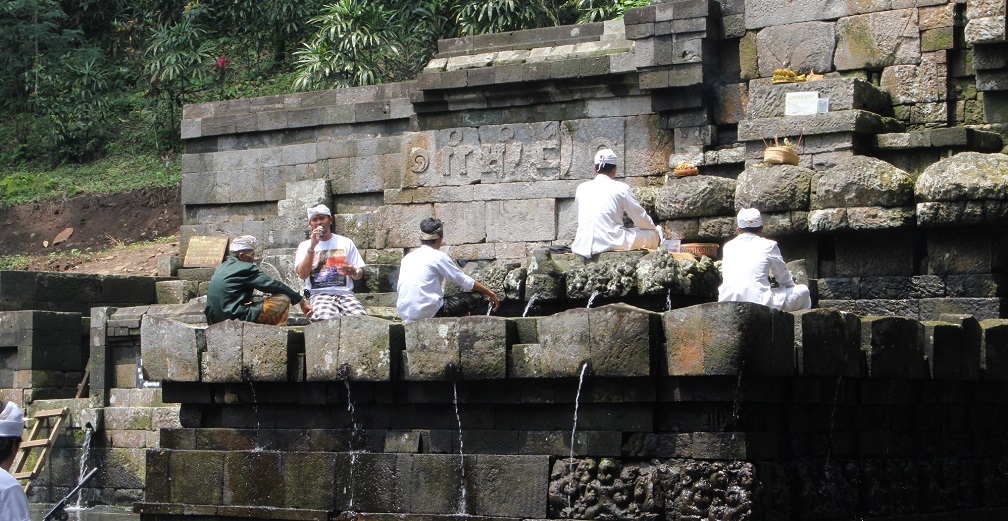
[(11, 421), (749, 218), (605, 157), (318, 209), (245, 242)]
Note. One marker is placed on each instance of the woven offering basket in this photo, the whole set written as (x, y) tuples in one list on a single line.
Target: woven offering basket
[(700, 249), (685, 172), (780, 156)]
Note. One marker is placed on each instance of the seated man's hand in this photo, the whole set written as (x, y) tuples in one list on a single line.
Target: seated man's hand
[(306, 308), (495, 300)]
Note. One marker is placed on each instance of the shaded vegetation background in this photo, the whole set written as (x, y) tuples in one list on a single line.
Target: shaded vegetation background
[(91, 91)]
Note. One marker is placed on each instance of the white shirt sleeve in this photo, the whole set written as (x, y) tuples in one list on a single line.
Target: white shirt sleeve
[(779, 268), (451, 271)]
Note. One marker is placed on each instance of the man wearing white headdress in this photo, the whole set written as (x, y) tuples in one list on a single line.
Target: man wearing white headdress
[(229, 294), (600, 205), (329, 264), (749, 260), (13, 502)]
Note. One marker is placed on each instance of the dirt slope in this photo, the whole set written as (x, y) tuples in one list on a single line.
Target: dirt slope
[(105, 223)]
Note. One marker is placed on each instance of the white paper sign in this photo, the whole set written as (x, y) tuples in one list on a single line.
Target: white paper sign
[(800, 103)]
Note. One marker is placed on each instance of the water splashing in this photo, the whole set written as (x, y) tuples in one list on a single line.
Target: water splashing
[(528, 306), (257, 445), (85, 452), (489, 308), (462, 501), (570, 461), (668, 300), (592, 298)]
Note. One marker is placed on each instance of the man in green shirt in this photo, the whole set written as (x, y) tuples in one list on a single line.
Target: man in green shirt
[(229, 295)]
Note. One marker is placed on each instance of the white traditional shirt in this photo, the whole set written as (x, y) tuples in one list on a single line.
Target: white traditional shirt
[(421, 274), (324, 279), (748, 261), (600, 204), (13, 503)]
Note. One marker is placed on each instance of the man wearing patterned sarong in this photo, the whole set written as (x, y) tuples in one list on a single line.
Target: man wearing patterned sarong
[(329, 264), (229, 294)]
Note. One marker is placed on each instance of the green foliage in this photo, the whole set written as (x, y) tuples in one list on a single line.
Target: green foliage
[(111, 174), (494, 16), (599, 10), (14, 262)]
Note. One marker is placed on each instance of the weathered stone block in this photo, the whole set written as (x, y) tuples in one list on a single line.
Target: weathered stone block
[(564, 345), (994, 355), (975, 285), (322, 342), (510, 486), (197, 477), (953, 347), (827, 343), (801, 47), (309, 480), (381, 482), (223, 361), (436, 483), (171, 349), (366, 347), (265, 352), (432, 349), (874, 253), (876, 40), (894, 347), (981, 308), (483, 343), (250, 479), (863, 181), (695, 196), (620, 340), (965, 250), (773, 188), (722, 338)]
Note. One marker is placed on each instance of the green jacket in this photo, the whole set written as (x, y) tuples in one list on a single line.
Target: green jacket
[(229, 295)]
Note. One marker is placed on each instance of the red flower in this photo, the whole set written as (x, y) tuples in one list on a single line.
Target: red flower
[(223, 61)]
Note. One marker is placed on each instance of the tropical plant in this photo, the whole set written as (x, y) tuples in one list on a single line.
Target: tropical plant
[(358, 42), (600, 10), (492, 16)]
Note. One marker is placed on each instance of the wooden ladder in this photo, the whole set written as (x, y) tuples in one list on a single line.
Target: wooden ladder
[(38, 440)]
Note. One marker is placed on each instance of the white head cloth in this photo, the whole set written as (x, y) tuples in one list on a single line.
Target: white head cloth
[(749, 218), (11, 421), (318, 209), (605, 157), (245, 242)]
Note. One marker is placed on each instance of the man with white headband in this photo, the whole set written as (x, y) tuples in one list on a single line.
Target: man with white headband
[(423, 270), (600, 205), (13, 502), (229, 294), (329, 265), (749, 260)]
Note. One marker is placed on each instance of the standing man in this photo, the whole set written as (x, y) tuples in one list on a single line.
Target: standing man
[(229, 294), (749, 259), (13, 502), (600, 205), (421, 274), (329, 265)]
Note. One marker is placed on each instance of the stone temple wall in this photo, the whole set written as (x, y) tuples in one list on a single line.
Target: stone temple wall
[(713, 411), (900, 180)]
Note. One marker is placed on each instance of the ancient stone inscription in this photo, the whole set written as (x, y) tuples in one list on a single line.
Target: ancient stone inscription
[(205, 252)]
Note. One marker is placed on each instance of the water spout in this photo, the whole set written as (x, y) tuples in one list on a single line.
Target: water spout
[(592, 298), (570, 461), (668, 301), (464, 489), (85, 452), (528, 306)]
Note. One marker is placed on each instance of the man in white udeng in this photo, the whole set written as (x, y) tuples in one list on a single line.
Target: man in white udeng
[(600, 205), (421, 274), (13, 503), (748, 261), (329, 264)]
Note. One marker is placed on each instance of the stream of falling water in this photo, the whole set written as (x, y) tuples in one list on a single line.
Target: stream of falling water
[(592, 298), (257, 446), (570, 461), (354, 434), (668, 301), (82, 467), (465, 489), (529, 305)]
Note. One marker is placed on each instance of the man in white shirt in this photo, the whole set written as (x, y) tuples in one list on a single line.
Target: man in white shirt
[(600, 205), (13, 502), (329, 264), (421, 274), (748, 261)]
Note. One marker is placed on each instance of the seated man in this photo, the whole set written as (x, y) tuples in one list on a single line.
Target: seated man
[(421, 274), (13, 502), (229, 295), (600, 205), (329, 265), (748, 261)]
